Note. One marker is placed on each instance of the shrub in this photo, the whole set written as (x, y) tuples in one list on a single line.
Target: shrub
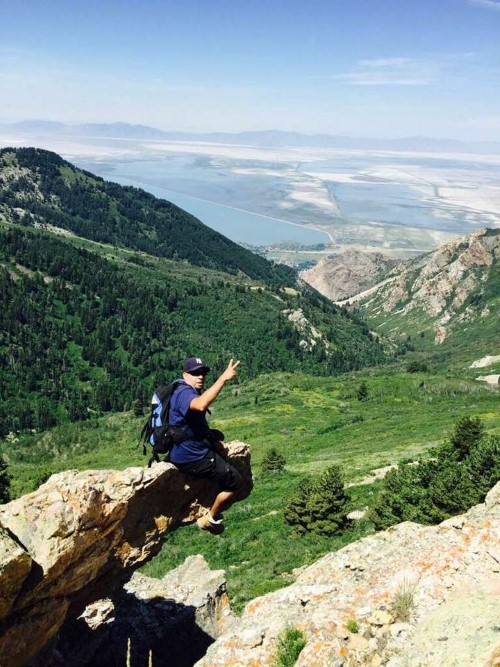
[(362, 392), (417, 366), (319, 506), (137, 408), (273, 461), (290, 644)]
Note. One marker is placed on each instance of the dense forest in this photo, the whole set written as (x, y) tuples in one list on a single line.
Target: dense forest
[(83, 332), (38, 187)]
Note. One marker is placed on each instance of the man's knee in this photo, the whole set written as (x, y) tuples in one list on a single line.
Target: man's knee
[(231, 480)]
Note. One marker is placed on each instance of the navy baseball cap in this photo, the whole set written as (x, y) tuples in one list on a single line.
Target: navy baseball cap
[(194, 364)]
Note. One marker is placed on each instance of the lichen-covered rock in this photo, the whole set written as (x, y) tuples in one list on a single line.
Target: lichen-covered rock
[(442, 576), (83, 534)]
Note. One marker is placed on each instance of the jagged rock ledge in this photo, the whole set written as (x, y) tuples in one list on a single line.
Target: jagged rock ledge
[(82, 534)]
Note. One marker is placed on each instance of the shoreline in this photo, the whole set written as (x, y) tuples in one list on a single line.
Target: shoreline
[(232, 208)]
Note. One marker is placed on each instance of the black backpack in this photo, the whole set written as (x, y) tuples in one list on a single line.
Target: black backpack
[(157, 432)]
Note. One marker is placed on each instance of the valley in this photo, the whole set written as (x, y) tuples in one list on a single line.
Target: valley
[(105, 289)]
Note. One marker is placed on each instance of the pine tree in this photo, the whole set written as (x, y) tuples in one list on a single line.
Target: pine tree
[(273, 461), (297, 512), (468, 432), (328, 503), (319, 506), (4, 482)]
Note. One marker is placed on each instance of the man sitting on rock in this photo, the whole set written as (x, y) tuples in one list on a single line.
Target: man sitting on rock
[(203, 454)]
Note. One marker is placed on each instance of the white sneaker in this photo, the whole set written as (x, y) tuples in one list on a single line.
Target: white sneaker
[(207, 522)]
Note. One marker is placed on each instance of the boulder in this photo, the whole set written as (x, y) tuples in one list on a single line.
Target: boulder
[(81, 535), (170, 621), (442, 581)]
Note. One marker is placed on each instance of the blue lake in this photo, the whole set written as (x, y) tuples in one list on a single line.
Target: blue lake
[(237, 224)]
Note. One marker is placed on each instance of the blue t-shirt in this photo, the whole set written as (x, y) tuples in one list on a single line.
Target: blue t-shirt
[(196, 448)]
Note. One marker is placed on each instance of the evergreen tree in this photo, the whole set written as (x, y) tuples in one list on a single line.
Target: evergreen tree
[(319, 506), (328, 503), (297, 512), (4, 482), (468, 432), (273, 461)]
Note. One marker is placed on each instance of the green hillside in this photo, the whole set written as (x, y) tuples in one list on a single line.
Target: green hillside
[(39, 188), (86, 329), (105, 290), (313, 421)]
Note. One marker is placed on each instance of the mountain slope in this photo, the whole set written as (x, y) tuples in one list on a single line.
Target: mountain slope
[(449, 297), (94, 328), (348, 273), (39, 188)]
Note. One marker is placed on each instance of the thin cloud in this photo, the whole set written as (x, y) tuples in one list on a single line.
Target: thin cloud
[(489, 4), (367, 79), (397, 71), (426, 70), (385, 62)]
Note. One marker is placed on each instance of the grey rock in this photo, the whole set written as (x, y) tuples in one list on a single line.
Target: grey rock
[(81, 535)]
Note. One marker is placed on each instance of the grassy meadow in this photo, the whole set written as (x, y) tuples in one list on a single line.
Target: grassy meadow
[(313, 421)]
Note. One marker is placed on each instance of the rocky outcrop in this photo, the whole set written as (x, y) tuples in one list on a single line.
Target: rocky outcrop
[(446, 287), (412, 596), (444, 280), (310, 335), (80, 535), (171, 621), (348, 273)]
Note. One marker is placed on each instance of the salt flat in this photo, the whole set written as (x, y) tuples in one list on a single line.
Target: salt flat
[(397, 202)]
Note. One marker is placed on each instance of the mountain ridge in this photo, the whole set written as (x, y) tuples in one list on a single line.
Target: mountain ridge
[(87, 326), (348, 273), (451, 291), (38, 187), (264, 138)]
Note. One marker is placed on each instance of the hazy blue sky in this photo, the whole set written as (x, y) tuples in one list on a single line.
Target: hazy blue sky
[(384, 68)]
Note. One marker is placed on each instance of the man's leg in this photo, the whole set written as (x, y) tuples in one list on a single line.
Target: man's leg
[(223, 500), (229, 480)]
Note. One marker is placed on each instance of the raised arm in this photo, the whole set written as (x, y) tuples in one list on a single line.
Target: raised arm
[(201, 403)]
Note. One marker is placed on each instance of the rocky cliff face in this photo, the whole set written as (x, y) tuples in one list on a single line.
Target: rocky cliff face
[(80, 535), (420, 597), (349, 273), (453, 285)]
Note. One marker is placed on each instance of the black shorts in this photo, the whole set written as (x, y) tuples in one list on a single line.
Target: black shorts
[(214, 466)]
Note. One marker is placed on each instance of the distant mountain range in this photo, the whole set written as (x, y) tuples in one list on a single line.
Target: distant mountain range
[(265, 138)]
